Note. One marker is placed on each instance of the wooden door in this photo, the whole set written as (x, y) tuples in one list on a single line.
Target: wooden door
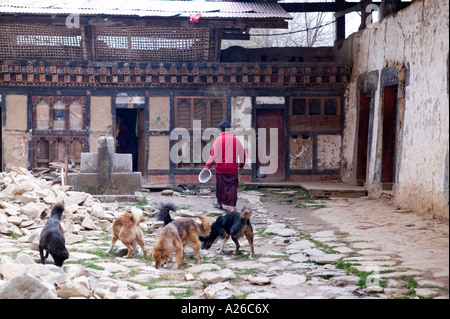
[(389, 136), (267, 119), (363, 137)]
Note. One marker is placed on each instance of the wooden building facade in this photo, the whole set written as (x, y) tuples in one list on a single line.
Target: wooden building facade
[(68, 74)]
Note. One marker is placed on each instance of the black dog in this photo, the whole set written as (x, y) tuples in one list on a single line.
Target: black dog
[(163, 212), (52, 238), (231, 224)]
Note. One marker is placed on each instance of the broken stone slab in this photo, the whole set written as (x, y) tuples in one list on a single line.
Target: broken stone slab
[(262, 295), (25, 287), (342, 281), (284, 232), (33, 210), (221, 290), (71, 289), (166, 292), (88, 223), (289, 279), (217, 276), (300, 258), (202, 268), (9, 269), (326, 258), (375, 289), (259, 280), (299, 246)]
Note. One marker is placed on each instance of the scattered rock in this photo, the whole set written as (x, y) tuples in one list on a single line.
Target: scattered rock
[(88, 223), (73, 289), (167, 192), (25, 287), (298, 258), (374, 289), (259, 280), (221, 290), (342, 281), (289, 279), (217, 276), (262, 295)]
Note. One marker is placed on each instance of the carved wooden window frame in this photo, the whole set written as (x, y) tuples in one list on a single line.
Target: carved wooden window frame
[(72, 141)]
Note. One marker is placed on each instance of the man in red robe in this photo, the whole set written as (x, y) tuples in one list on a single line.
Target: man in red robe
[(228, 155)]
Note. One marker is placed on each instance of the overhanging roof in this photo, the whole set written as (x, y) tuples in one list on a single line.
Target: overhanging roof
[(224, 9)]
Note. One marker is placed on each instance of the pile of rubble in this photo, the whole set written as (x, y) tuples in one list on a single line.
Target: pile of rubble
[(26, 202)]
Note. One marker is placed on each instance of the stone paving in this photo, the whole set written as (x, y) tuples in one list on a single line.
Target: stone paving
[(304, 248)]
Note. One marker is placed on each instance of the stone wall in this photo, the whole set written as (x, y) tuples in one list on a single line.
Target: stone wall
[(410, 49)]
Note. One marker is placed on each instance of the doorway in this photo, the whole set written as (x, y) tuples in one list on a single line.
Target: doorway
[(270, 163), (130, 135), (389, 137), (363, 138)]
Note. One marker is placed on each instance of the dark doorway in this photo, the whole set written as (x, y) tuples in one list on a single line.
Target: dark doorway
[(130, 132), (1, 129), (363, 138), (389, 137), (273, 118)]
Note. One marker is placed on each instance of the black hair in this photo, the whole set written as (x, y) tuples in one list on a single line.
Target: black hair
[(224, 125)]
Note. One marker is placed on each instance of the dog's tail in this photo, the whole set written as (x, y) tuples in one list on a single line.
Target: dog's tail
[(137, 215), (205, 228), (245, 215), (163, 212), (57, 210)]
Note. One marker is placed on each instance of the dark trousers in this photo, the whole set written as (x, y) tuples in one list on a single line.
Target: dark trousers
[(226, 189)]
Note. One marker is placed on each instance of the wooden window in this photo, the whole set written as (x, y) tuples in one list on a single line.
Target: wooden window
[(315, 113), (76, 117), (210, 110), (42, 115), (59, 129)]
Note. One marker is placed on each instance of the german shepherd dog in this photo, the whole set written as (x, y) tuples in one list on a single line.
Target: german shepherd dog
[(126, 228), (232, 224), (172, 237), (52, 237)]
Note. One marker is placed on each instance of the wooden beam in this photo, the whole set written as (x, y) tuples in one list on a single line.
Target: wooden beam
[(325, 6), (271, 23)]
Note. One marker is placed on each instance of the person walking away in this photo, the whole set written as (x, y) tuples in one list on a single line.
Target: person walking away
[(228, 155)]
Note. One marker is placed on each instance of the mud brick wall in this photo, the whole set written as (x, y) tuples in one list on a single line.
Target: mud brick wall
[(409, 50)]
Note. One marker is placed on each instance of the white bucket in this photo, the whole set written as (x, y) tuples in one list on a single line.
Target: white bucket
[(205, 176)]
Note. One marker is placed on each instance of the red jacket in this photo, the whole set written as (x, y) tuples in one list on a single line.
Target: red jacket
[(227, 153)]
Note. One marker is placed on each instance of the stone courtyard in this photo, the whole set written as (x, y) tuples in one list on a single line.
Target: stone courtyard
[(305, 248)]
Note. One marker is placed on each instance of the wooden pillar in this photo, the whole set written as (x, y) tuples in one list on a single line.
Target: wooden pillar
[(340, 23)]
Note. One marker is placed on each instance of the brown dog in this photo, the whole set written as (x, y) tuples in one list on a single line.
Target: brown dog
[(172, 237), (127, 229)]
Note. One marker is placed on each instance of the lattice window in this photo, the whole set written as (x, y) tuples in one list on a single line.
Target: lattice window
[(39, 41), (153, 44)]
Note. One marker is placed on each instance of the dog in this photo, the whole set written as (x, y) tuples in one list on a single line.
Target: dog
[(52, 238), (172, 237), (232, 224), (163, 212), (126, 228)]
